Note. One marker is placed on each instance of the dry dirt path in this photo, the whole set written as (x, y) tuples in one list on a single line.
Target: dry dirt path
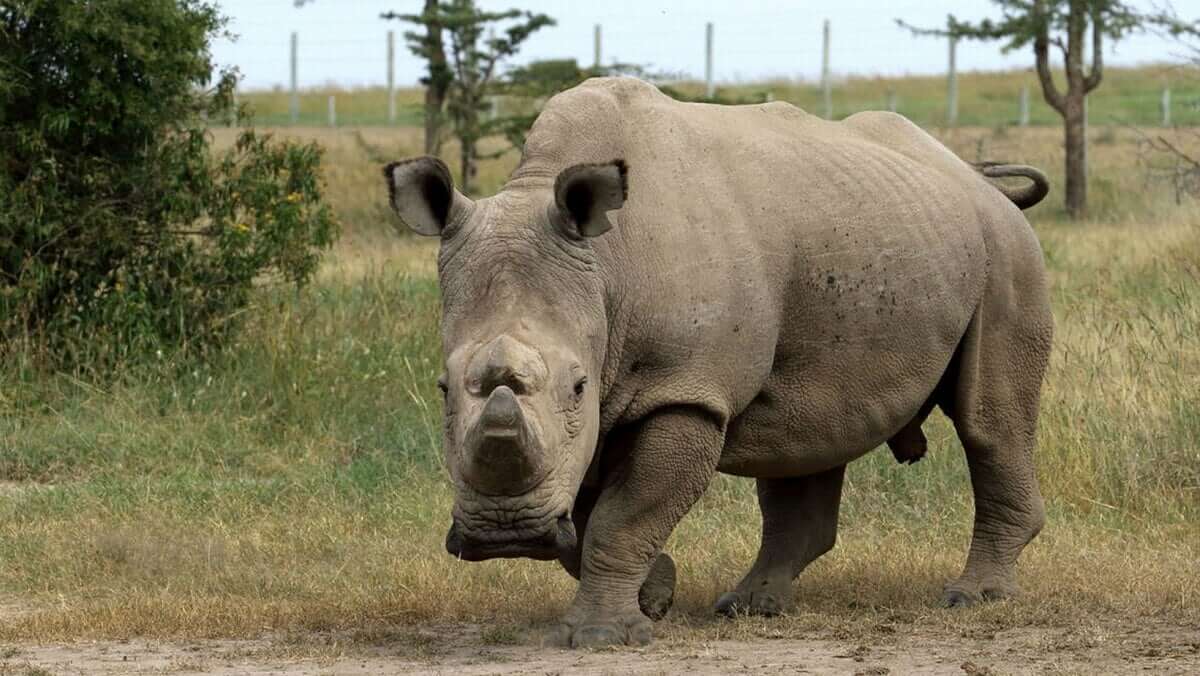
[(461, 650)]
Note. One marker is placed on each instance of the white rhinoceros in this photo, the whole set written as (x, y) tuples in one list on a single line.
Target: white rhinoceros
[(664, 290)]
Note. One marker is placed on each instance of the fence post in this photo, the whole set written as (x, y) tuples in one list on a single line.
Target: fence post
[(596, 48), (952, 85), (891, 100), (826, 85), (1023, 115), (294, 100), (391, 76), (1166, 107), (709, 90), (332, 110)]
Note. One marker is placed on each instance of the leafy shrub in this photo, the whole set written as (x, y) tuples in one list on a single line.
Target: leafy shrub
[(121, 233)]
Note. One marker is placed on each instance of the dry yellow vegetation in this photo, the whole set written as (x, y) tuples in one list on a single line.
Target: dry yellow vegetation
[(292, 486)]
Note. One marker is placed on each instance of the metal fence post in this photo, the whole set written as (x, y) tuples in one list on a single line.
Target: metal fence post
[(596, 47), (1023, 116), (826, 84), (709, 89), (952, 85), (391, 77), (294, 100)]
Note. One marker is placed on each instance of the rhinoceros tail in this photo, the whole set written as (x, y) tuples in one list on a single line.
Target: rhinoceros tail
[(1025, 196)]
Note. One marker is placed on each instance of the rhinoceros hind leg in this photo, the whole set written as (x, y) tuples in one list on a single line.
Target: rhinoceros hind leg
[(995, 411), (799, 524)]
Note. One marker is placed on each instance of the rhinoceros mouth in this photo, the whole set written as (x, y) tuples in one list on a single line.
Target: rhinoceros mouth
[(543, 545)]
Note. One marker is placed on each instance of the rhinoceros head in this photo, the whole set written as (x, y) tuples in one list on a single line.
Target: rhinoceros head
[(524, 338)]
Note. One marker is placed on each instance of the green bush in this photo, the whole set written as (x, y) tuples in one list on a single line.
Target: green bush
[(121, 233)]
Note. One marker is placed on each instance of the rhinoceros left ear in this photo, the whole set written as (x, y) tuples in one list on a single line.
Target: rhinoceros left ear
[(422, 193), (585, 193)]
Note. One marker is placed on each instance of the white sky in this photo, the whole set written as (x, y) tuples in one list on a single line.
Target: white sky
[(343, 42)]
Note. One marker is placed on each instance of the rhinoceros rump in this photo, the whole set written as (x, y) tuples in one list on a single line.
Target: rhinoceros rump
[(666, 290)]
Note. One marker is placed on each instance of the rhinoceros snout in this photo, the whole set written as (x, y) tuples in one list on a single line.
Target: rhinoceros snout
[(502, 453)]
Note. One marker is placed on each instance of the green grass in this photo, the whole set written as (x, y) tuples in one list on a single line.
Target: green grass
[(362, 107), (986, 99), (294, 481)]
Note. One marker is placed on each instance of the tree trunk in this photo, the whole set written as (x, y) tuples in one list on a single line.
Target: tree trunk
[(439, 80), (433, 120), (467, 159), (1076, 151), (1071, 105)]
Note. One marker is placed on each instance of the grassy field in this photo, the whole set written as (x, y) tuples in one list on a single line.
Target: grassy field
[(986, 99), (293, 483)]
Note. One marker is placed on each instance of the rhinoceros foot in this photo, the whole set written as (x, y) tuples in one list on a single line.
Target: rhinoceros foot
[(966, 593), (598, 629), (764, 603)]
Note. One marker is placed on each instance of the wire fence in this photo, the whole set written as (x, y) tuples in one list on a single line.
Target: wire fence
[(1146, 96)]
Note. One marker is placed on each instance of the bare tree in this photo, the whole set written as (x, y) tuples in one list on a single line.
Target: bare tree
[(1064, 24), (438, 78), (468, 70)]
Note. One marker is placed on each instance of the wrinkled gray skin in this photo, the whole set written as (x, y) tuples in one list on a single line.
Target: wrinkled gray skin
[(774, 296)]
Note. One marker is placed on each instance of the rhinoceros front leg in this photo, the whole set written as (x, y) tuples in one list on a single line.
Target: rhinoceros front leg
[(657, 593), (673, 458)]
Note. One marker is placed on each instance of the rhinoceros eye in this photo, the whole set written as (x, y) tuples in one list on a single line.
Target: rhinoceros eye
[(579, 385)]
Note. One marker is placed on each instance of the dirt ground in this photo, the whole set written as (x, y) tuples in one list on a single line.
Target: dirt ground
[(468, 649)]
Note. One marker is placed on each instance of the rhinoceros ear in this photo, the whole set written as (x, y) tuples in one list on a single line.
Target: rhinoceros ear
[(585, 193), (422, 194)]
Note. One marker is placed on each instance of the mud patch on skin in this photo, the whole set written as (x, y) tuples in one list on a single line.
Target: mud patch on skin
[(468, 649)]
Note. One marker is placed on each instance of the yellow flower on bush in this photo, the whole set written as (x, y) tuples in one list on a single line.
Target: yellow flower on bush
[(293, 198), (242, 227)]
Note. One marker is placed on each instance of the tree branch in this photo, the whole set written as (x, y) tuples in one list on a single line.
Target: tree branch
[(1076, 29), (1179, 154), (1041, 51)]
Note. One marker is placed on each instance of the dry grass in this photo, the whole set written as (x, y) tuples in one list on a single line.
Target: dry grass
[(318, 564), (293, 484)]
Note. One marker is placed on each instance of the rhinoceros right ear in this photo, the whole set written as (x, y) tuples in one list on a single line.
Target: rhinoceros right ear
[(422, 194), (585, 193)]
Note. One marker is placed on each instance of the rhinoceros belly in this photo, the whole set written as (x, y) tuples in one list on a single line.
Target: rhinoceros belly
[(871, 323)]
